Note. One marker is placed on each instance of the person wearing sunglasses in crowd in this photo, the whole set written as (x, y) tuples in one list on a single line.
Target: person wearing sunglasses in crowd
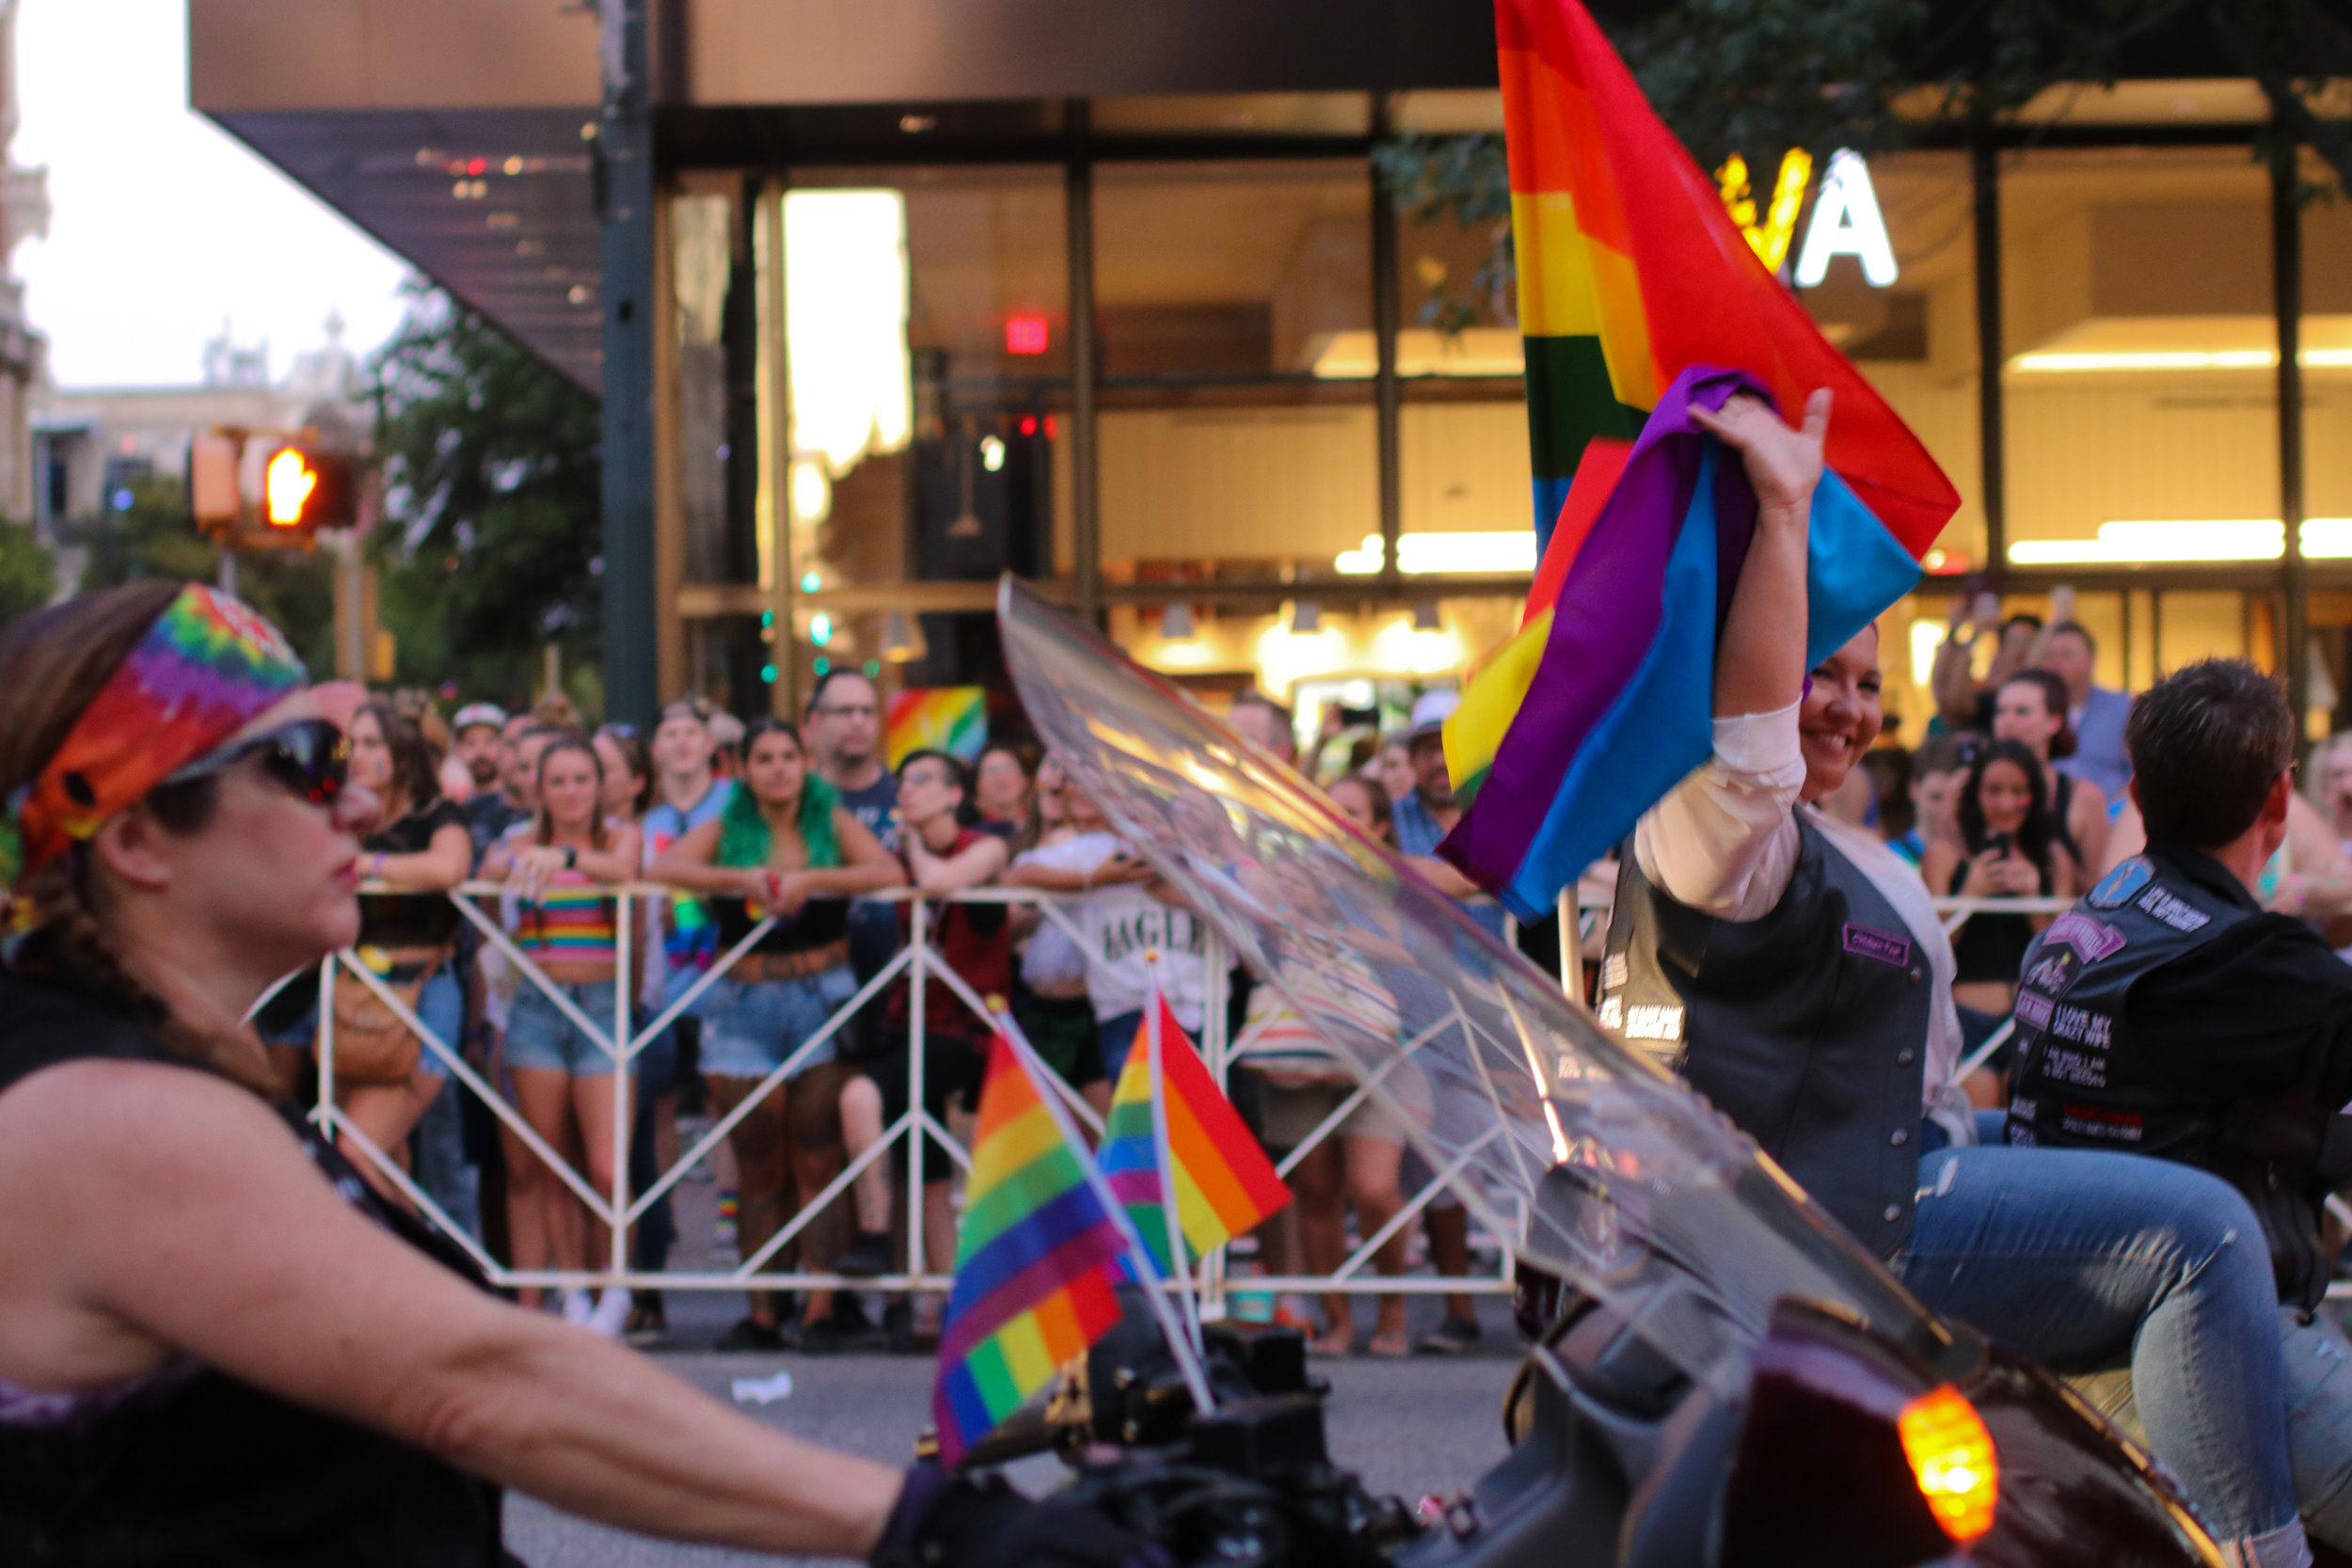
[(217, 1343)]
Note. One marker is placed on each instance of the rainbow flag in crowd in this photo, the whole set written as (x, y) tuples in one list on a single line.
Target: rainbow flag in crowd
[(1638, 294), (1224, 1184), (1033, 1287), (949, 719)]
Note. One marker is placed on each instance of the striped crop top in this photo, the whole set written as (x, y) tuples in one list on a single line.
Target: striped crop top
[(572, 923)]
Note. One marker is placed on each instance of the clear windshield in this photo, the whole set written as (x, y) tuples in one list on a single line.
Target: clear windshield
[(1500, 1078)]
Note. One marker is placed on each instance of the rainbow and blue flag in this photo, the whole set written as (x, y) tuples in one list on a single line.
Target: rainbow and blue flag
[(1034, 1285), (1639, 296), (1224, 1184)]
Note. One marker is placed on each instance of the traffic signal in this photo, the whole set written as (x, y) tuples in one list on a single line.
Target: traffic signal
[(304, 490)]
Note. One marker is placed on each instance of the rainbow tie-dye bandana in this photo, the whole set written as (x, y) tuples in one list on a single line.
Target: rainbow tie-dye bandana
[(206, 667)]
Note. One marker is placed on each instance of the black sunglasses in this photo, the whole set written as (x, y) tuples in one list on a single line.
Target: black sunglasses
[(310, 759)]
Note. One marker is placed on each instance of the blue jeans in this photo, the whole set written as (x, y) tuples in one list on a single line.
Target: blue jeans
[(440, 1164), (2319, 1421), (1115, 1037), (2075, 1256), (751, 1026)]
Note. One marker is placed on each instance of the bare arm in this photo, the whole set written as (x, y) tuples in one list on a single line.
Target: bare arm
[(1445, 876), (1953, 679), (865, 865), (441, 863), (617, 862), (970, 867), (164, 1205), (1760, 667), (2087, 819), (686, 864)]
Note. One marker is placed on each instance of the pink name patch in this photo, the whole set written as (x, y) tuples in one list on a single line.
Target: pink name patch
[(1865, 942)]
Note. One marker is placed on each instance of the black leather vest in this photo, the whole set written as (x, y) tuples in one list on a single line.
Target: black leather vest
[(1807, 1028), (204, 1469), (2083, 1081)]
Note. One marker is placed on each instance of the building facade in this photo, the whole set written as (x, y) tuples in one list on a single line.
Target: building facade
[(1113, 297)]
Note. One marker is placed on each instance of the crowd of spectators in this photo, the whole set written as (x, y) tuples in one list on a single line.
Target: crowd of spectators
[(800, 839), (2019, 790)]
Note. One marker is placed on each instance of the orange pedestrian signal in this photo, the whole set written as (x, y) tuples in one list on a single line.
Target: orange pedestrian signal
[(288, 485), (305, 490)]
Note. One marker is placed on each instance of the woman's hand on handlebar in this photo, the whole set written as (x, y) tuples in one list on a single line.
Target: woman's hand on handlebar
[(1784, 464), (946, 1521)]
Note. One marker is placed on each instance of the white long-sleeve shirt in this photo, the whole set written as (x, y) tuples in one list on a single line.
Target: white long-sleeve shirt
[(1724, 842)]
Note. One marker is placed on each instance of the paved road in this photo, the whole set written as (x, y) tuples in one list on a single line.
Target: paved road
[(1409, 1427)]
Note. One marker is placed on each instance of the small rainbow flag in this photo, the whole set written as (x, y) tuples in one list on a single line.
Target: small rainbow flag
[(1224, 1182), (1033, 1284), (949, 719), (1639, 296)]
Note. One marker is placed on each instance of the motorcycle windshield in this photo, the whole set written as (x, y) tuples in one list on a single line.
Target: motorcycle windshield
[(1599, 1167)]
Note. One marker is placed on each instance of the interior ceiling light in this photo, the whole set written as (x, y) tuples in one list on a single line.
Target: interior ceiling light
[(1512, 551), (2138, 543), (2185, 343), (844, 314)]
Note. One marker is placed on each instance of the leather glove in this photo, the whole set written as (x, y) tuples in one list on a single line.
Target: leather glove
[(947, 1521)]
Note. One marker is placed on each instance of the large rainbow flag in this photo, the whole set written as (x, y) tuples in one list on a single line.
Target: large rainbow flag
[(1033, 1286), (1636, 292), (1224, 1184)]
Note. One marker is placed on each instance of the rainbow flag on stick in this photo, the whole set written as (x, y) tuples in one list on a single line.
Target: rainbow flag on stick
[(1637, 295), (1170, 1127), (1034, 1278), (1033, 1282)]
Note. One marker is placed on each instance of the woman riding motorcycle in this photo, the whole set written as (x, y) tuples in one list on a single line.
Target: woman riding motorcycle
[(1792, 968), (217, 1343)]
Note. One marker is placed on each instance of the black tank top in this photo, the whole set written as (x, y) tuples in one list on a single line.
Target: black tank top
[(201, 1468), (1990, 946)]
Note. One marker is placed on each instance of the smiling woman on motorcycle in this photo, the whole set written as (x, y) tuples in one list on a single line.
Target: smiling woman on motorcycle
[(217, 1343), (1792, 968)]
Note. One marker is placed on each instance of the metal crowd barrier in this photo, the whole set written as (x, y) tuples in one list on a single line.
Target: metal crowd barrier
[(620, 1040)]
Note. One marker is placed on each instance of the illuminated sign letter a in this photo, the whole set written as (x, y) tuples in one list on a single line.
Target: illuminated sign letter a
[(1846, 222)]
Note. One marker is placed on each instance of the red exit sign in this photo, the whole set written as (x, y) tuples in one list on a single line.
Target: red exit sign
[(1024, 334)]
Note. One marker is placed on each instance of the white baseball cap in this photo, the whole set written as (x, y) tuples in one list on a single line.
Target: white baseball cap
[(1431, 710), (478, 713)]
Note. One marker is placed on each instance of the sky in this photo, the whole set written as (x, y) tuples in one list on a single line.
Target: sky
[(161, 225)]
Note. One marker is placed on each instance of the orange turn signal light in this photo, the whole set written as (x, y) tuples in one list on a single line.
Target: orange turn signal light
[(1951, 1456)]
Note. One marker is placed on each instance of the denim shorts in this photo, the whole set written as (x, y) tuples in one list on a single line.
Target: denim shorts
[(440, 1007), (539, 1036), (750, 1026)]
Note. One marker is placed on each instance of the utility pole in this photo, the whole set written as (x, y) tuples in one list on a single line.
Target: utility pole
[(2286, 281), (625, 192)]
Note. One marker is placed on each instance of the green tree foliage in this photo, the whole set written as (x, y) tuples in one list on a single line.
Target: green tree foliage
[(489, 539), (155, 536), (28, 572)]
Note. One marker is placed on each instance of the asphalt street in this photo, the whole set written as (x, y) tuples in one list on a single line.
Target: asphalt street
[(1413, 1427)]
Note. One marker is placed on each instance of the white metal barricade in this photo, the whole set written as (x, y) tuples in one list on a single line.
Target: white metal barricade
[(917, 962)]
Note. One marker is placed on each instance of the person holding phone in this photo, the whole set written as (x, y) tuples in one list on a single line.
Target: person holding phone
[(2008, 849), (1961, 700)]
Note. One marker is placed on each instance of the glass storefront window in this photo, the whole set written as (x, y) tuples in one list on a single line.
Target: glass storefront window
[(1914, 337), (1220, 289), (926, 330), (2141, 353)]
